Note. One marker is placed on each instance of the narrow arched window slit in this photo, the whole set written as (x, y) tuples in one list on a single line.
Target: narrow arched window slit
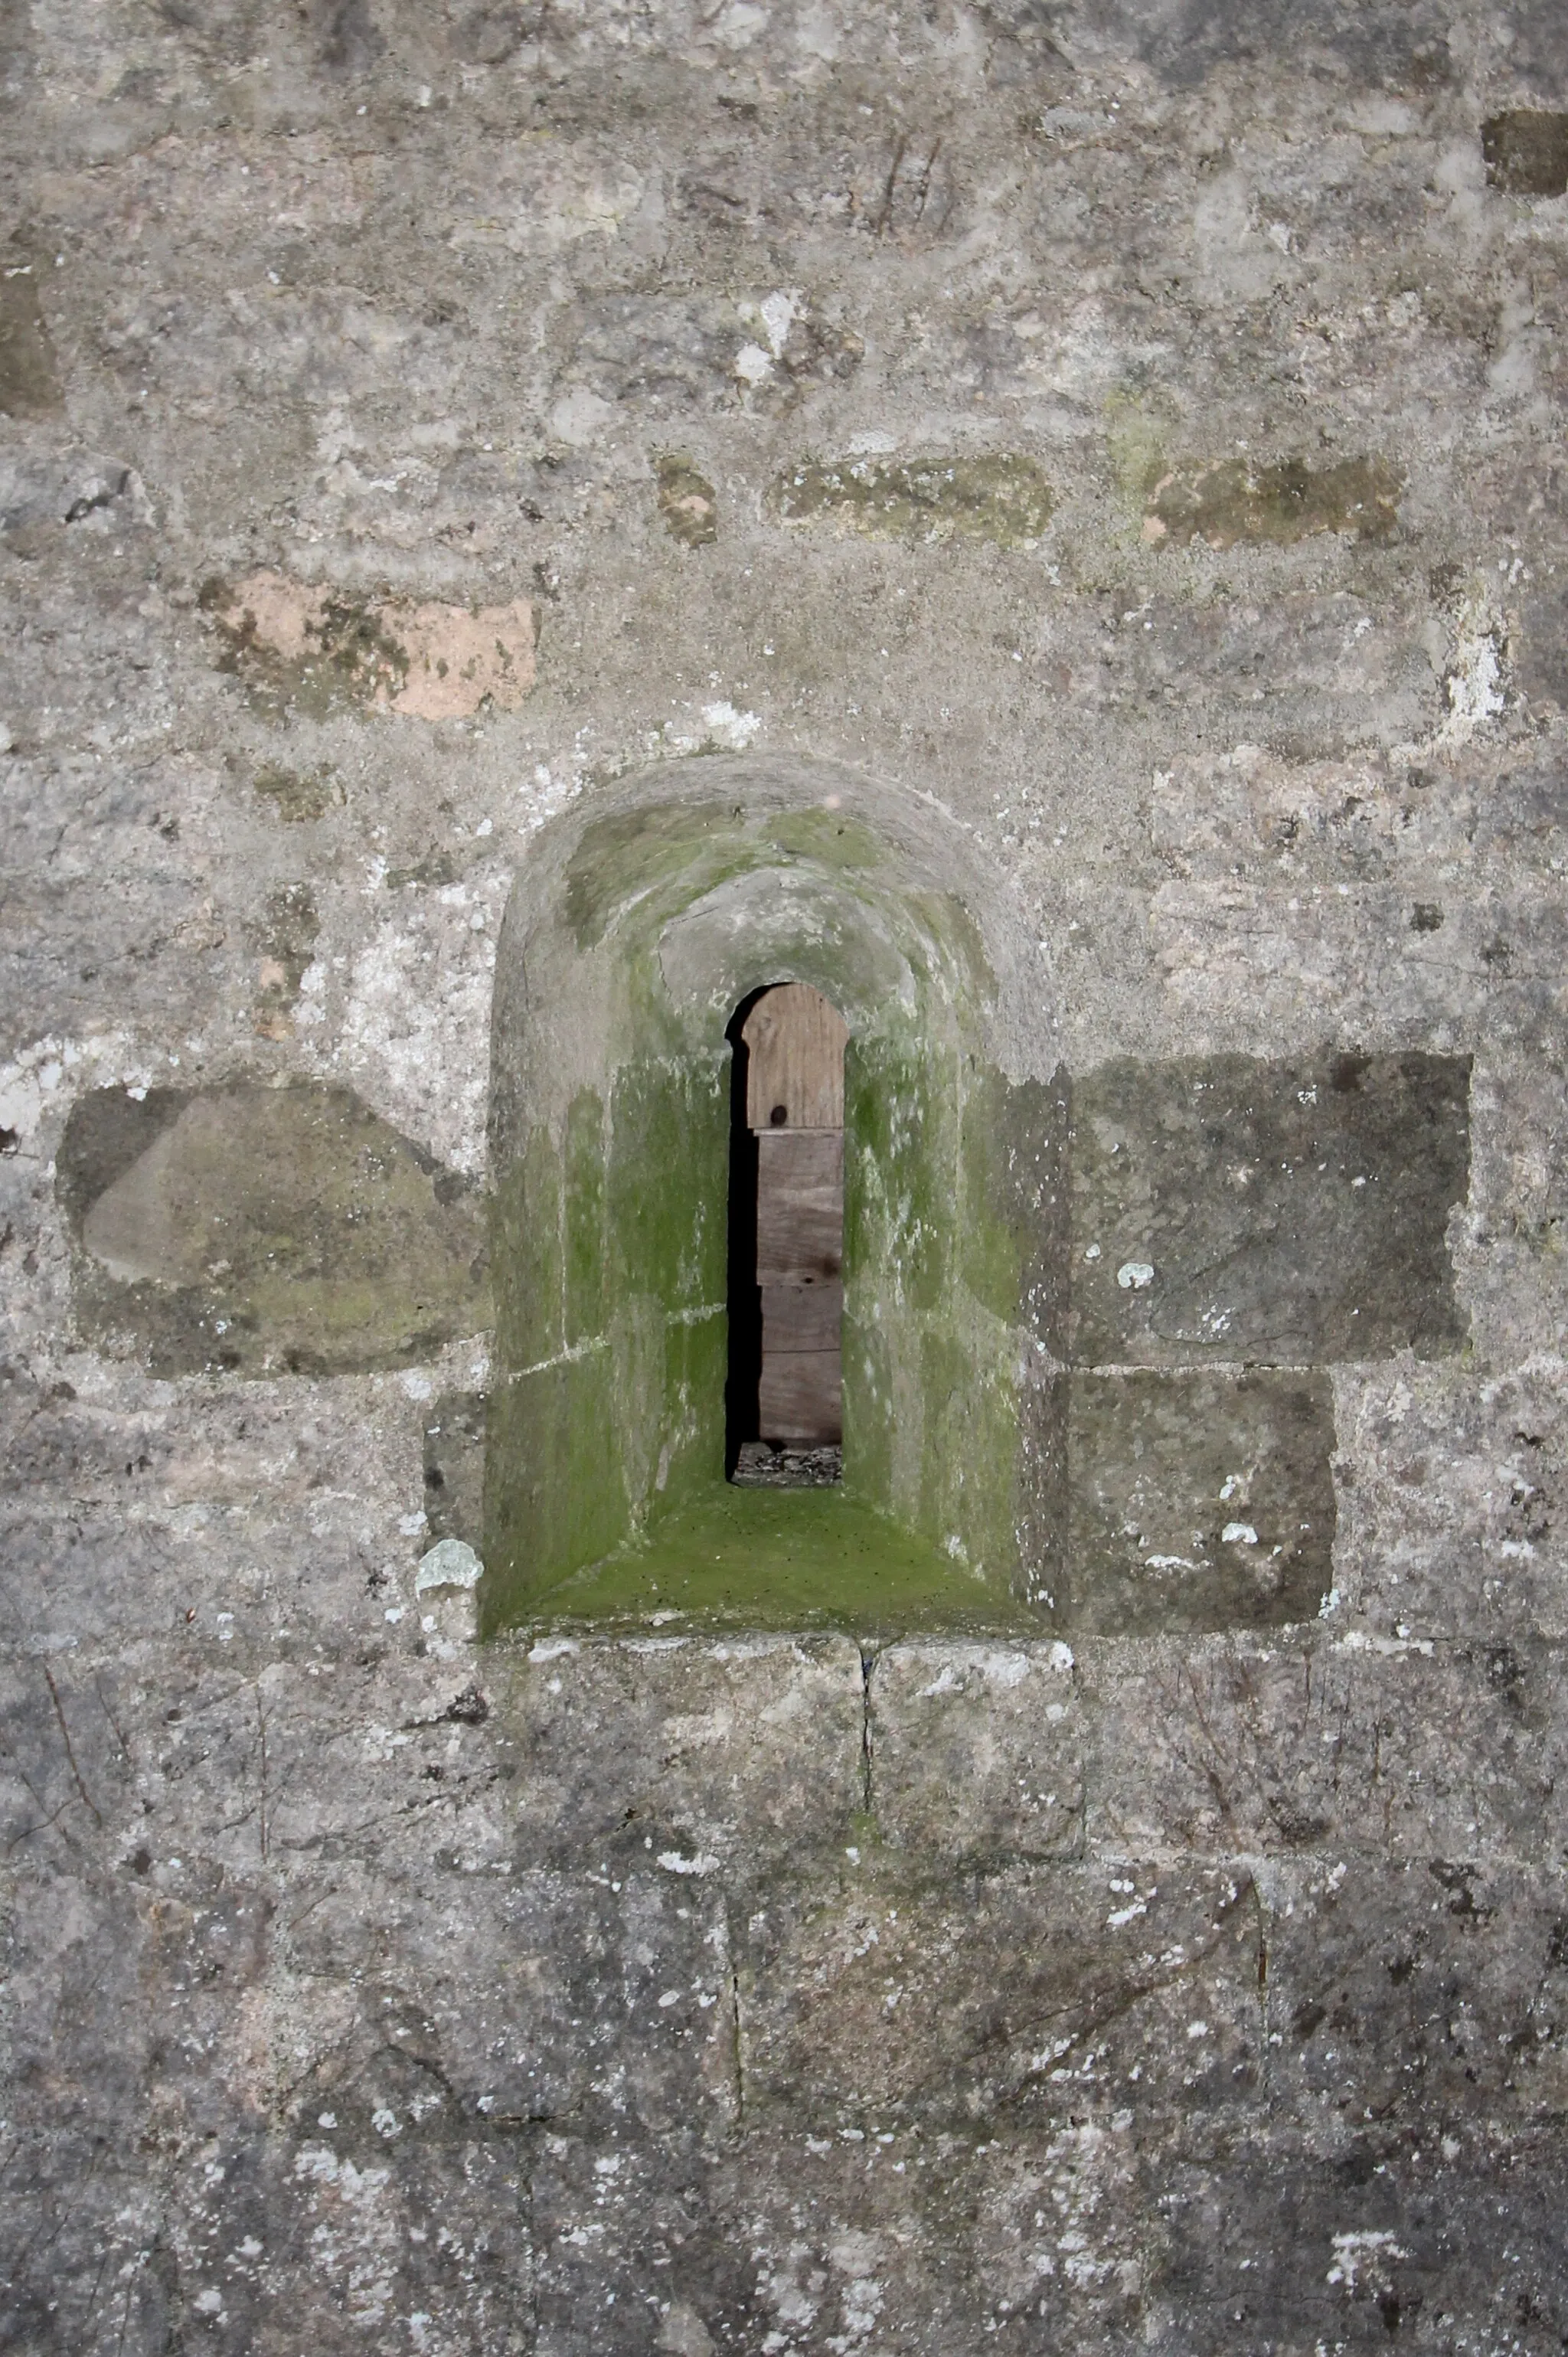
[(785, 1386)]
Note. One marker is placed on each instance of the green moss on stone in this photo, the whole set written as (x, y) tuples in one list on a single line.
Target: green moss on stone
[(688, 504), (1016, 1205), (619, 859), (900, 1164), (776, 1559), (1236, 503), (585, 1239), (1004, 498), (937, 1260), (299, 796), (526, 1253), (969, 1461), (829, 837), (553, 1453), (669, 1181)]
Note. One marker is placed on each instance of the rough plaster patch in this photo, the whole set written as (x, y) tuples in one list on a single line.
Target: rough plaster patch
[(457, 659), (427, 662)]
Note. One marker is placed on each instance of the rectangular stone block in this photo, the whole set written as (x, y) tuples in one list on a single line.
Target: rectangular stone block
[(1454, 1515), (1287, 1213), (976, 1750), (79, 2219), (1353, 1745), (1526, 152), (738, 1753), (1417, 1991), (638, 2254), (880, 1997), (413, 2234), (528, 1997), (933, 2243), (1341, 2238), (1197, 1500)]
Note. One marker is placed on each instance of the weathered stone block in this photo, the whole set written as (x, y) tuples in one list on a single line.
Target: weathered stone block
[(454, 1466), (1526, 151), (1455, 1517), (335, 2241), (688, 505), (81, 2217), (1409, 1992), (1196, 1500), (262, 1229), (1344, 2233), (976, 1750), (639, 2253), (921, 2239), (298, 645), (1225, 1208), (1005, 499), (732, 1754), (1236, 502), (1341, 1745), (30, 376), (881, 1997), (1013, 1148), (1303, 674), (283, 935)]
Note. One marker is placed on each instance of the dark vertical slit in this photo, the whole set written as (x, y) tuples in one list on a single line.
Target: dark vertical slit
[(744, 1296)]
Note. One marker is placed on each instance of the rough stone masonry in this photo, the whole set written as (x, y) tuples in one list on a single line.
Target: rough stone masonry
[(1129, 432)]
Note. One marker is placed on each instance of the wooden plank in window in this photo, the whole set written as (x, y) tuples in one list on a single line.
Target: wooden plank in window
[(800, 1206), (801, 1397), (795, 1041), (801, 1317)]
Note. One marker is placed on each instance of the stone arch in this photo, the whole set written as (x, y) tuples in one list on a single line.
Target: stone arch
[(638, 923)]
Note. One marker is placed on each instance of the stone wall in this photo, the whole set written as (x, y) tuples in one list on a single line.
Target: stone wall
[(1129, 436)]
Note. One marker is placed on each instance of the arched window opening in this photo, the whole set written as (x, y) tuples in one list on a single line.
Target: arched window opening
[(785, 1398)]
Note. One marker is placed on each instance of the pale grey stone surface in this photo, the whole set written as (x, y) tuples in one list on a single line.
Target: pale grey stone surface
[(337, 1945)]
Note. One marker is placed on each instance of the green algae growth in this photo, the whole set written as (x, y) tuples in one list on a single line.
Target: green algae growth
[(801, 1559)]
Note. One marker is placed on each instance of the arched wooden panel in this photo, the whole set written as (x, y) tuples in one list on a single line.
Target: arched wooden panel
[(795, 1040)]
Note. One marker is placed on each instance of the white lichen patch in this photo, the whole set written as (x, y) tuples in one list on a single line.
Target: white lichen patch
[(1362, 2251), (451, 1563), (43, 1078), (728, 727), (1474, 679)]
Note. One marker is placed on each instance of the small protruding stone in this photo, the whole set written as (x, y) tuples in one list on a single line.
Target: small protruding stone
[(451, 1563)]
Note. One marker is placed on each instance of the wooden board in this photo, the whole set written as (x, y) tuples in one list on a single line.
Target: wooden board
[(800, 1206), (801, 1397), (795, 1041), (801, 1317)]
